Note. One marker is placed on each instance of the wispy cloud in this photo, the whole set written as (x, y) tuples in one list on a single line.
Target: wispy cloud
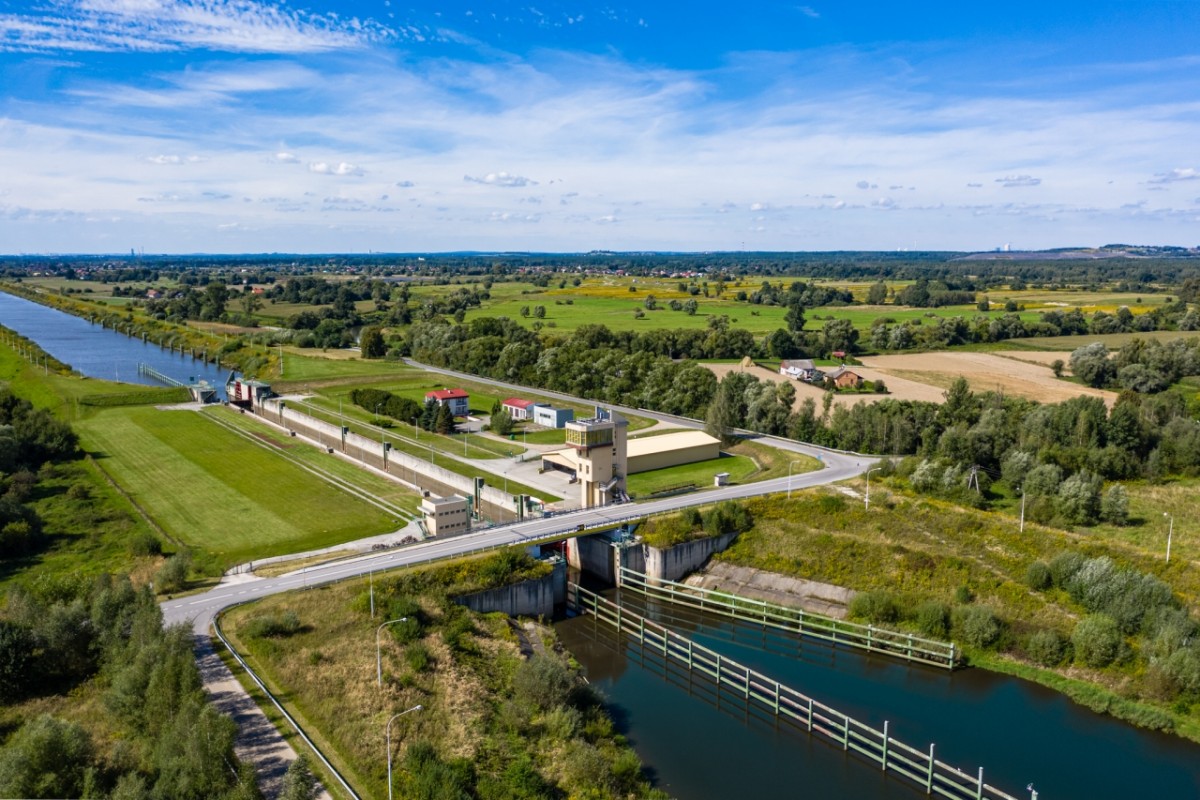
[(501, 179), (1185, 174), (164, 25), (1014, 181)]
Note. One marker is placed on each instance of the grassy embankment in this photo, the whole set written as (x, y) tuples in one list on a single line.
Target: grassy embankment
[(212, 490), (503, 714), (745, 461), (923, 551)]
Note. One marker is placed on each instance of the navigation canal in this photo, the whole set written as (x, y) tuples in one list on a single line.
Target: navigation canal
[(100, 352), (702, 748)]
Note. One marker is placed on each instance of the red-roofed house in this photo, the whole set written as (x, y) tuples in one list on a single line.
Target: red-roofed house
[(520, 409), (456, 399)]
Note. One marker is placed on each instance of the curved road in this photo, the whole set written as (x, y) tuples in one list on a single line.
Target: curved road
[(259, 741)]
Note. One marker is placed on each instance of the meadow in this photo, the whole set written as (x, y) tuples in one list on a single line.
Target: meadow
[(210, 489)]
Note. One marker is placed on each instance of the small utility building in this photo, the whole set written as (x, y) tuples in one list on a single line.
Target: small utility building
[(445, 516), (246, 393), (520, 409), (551, 417)]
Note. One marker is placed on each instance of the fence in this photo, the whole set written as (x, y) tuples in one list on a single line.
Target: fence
[(748, 609), (788, 705)]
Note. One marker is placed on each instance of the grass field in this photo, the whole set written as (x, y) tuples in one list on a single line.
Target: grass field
[(745, 461), (212, 490), (1066, 344)]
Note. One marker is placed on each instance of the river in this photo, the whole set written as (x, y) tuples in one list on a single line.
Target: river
[(100, 352), (1020, 733)]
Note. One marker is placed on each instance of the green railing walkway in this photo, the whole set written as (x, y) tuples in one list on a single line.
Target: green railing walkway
[(786, 704), (759, 612)]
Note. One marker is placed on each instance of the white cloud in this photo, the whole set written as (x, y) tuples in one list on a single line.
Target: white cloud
[(166, 25), (757, 206), (1185, 174), (1013, 181), (287, 158), (173, 159), (342, 168), (501, 179), (809, 12)]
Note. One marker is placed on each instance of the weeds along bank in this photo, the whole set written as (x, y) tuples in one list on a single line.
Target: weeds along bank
[(1096, 620), (504, 713)]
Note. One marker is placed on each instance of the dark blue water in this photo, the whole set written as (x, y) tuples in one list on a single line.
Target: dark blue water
[(99, 352), (707, 747)]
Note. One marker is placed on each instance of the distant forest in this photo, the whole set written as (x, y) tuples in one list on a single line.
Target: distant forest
[(1138, 268)]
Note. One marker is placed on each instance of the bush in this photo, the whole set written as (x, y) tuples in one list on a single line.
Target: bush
[(1097, 641), (145, 543), (172, 575), (964, 595), (1063, 567), (272, 625), (933, 618), (978, 626), (1037, 576), (543, 682), (877, 606), (1047, 648), (45, 758), (417, 657)]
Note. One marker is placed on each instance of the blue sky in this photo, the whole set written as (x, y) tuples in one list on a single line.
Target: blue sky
[(179, 126)]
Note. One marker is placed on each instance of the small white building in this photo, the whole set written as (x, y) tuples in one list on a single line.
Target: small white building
[(519, 409), (457, 399), (551, 417), (446, 516), (801, 369)]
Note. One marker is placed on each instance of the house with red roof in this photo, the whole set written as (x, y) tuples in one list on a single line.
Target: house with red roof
[(456, 399), (520, 409)]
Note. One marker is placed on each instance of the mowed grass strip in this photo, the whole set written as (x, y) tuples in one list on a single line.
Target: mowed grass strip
[(214, 490)]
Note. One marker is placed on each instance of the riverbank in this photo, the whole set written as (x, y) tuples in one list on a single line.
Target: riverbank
[(938, 569)]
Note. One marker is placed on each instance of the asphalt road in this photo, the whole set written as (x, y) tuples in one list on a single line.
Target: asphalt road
[(200, 609)]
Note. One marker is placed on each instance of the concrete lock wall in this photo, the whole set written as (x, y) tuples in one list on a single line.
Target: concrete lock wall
[(593, 554), (530, 598), (417, 472), (673, 563)]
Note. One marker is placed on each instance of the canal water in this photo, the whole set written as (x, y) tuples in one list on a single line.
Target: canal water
[(703, 746), (100, 352)]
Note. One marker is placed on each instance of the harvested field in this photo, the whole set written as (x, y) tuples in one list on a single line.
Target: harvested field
[(926, 376)]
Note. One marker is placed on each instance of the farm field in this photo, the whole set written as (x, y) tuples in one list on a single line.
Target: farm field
[(926, 376), (1113, 341), (209, 488)]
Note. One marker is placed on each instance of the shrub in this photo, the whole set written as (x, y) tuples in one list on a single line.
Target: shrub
[(1114, 506), (543, 682), (145, 543), (1097, 640), (272, 625), (1037, 576), (172, 575), (964, 595), (877, 606), (417, 657), (933, 618), (978, 626), (1063, 566), (1047, 648)]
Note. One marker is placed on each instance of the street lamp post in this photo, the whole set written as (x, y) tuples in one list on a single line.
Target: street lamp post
[(389, 744), (790, 465), (1022, 491), (1170, 530), (867, 497), (379, 651)]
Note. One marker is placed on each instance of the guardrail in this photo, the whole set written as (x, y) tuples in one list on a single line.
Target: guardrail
[(760, 612), (789, 705)]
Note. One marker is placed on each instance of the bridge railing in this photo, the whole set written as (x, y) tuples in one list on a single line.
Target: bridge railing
[(787, 704), (760, 612)]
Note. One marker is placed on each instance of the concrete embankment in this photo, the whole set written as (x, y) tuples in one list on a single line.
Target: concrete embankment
[(819, 598), (531, 598)]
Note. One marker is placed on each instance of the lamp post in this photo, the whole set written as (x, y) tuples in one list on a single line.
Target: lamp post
[(379, 651), (1170, 530), (867, 497), (1022, 491), (790, 465), (389, 744)]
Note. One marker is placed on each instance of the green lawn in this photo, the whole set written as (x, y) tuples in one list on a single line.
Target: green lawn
[(701, 473), (213, 490), (1068, 343)]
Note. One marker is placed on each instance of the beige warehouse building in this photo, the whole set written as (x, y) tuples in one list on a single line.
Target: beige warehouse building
[(649, 452)]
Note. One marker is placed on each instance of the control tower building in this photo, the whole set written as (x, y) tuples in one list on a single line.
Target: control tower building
[(600, 453)]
